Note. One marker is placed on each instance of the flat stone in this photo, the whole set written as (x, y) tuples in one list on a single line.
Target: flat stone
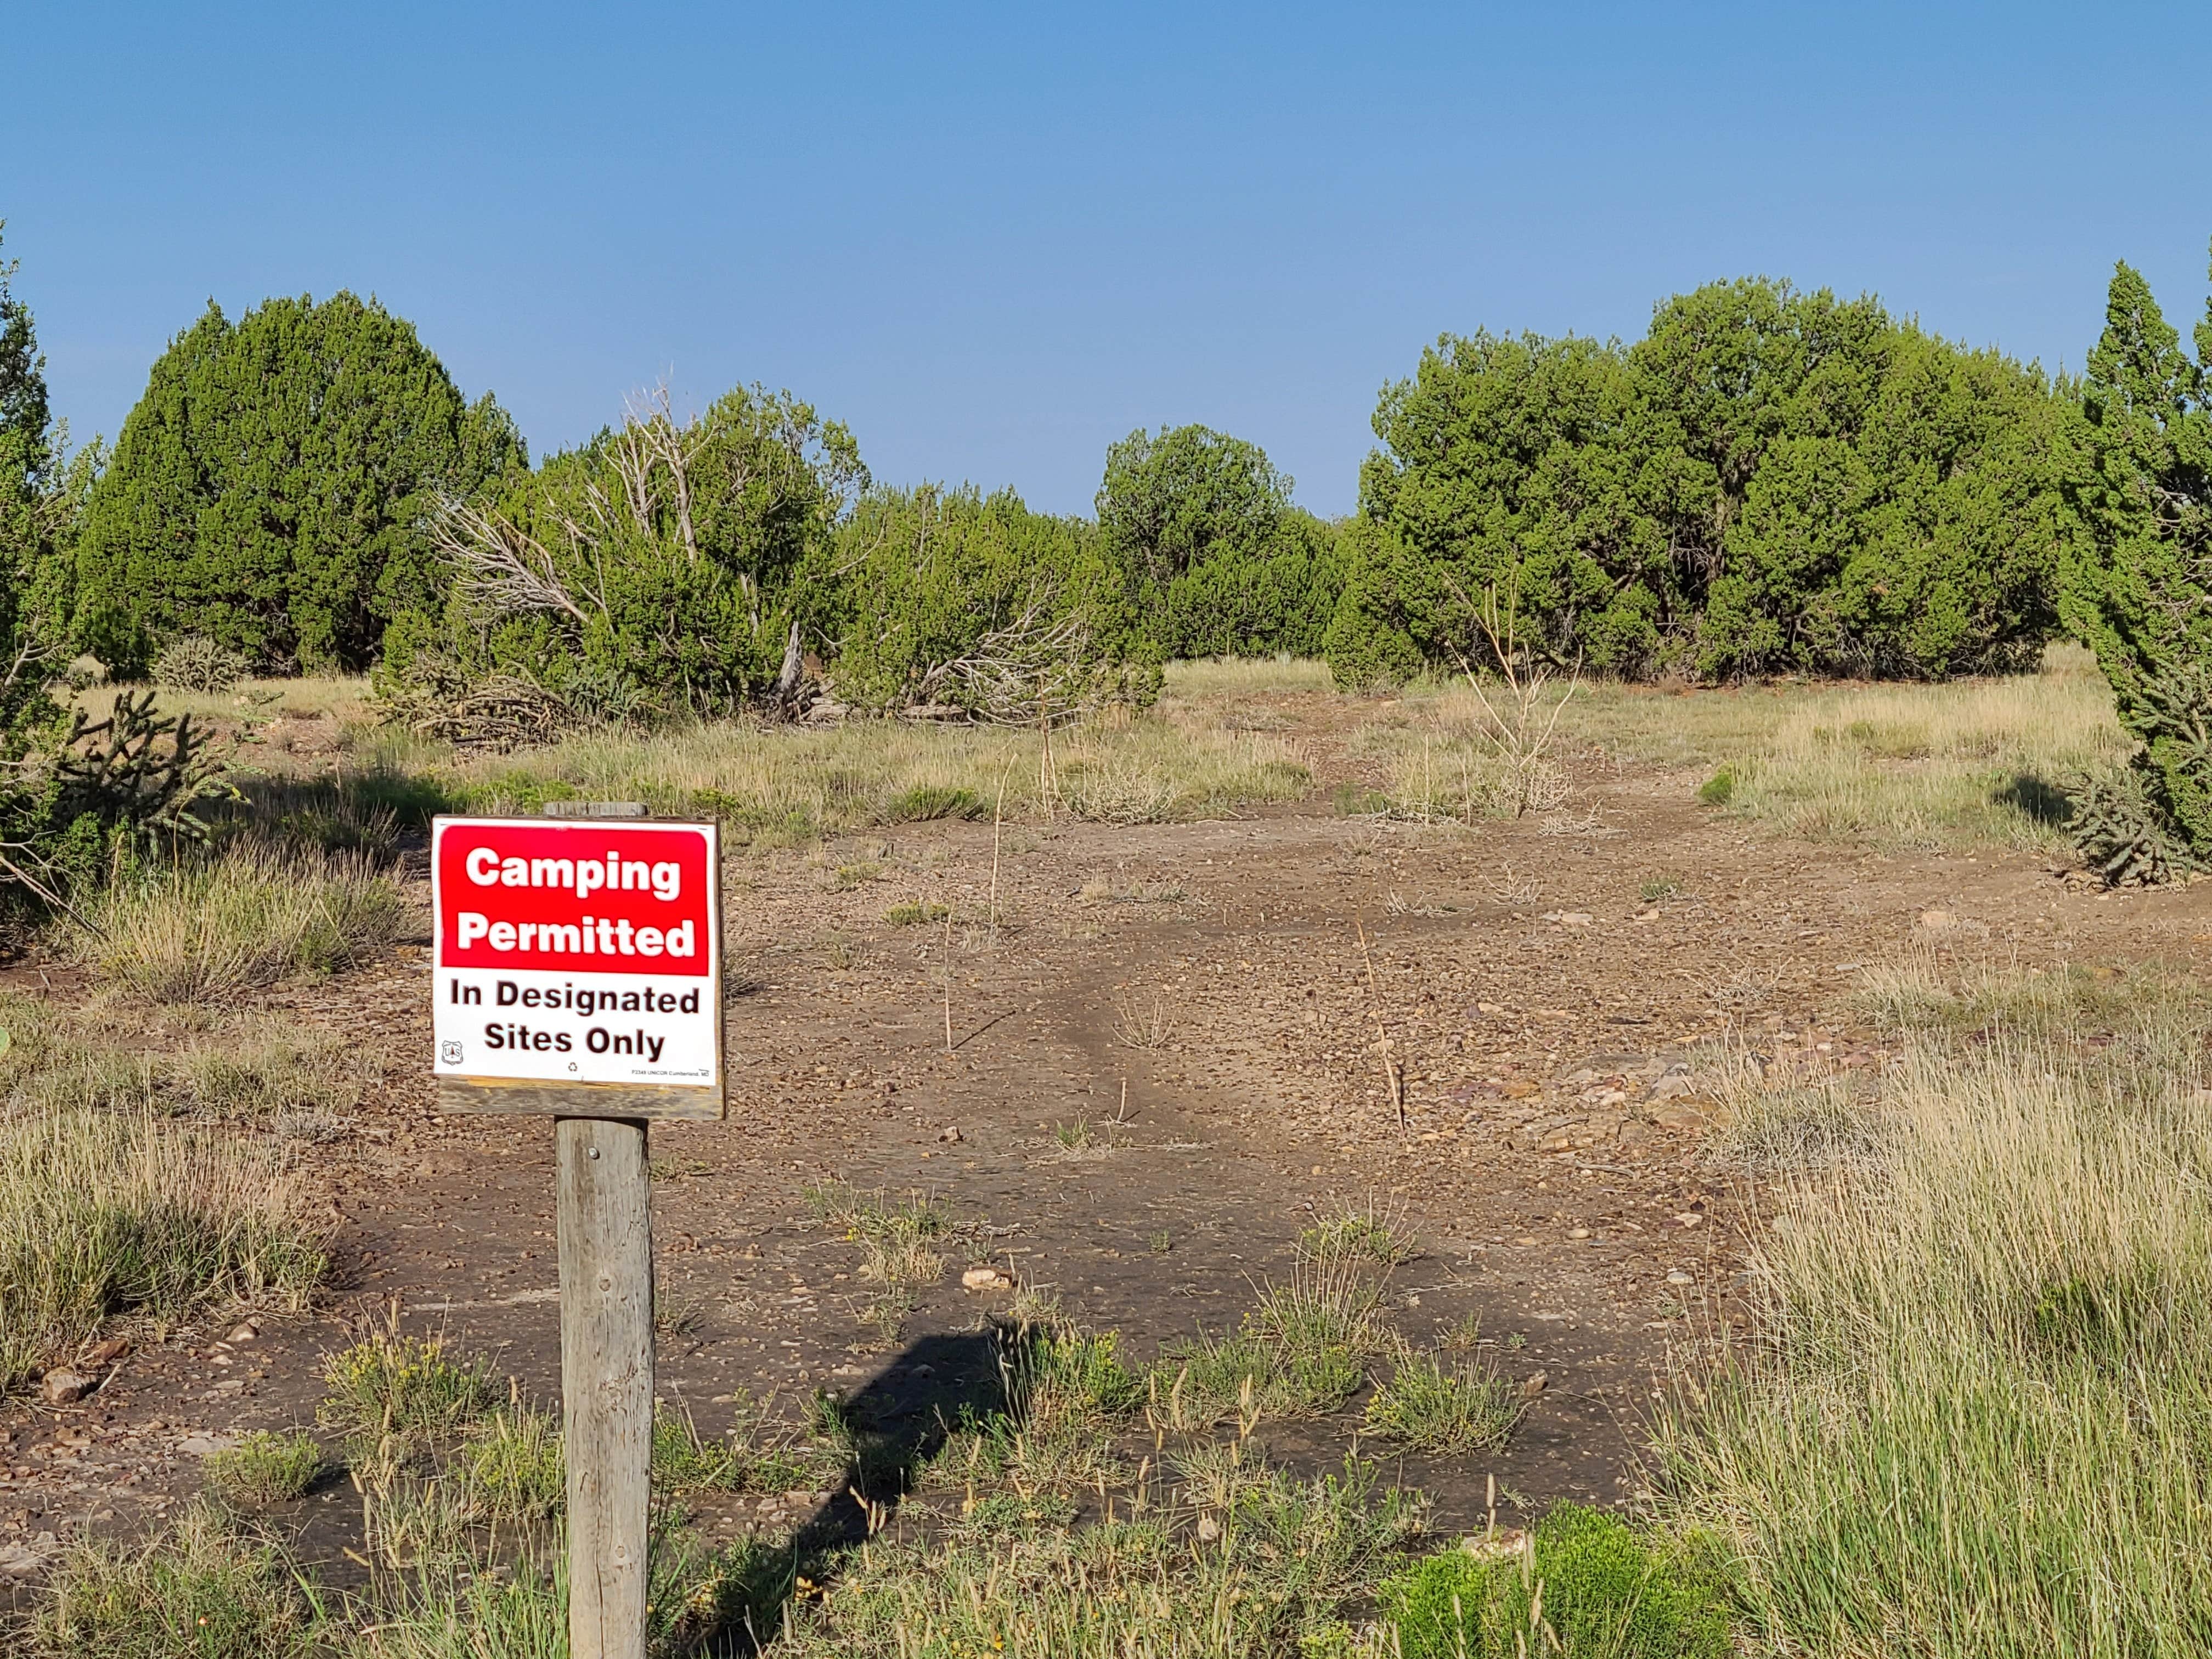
[(63, 1385)]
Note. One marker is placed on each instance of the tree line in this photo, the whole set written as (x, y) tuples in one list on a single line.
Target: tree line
[(1768, 481)]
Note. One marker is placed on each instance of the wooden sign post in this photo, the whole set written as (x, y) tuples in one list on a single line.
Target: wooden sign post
[(577, 972)]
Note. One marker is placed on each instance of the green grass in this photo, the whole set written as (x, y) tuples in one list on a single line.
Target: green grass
[(239, 921), (112, 1213), (1272, 1564), (1975, 1410), (1432, 1407), (266, 1468), (928, 801), (393, 1386), (513, 1466), (200, 1589), (1303, 1352), (1373, 1236), (1065, 1394), (913, 915), (901, 1243)]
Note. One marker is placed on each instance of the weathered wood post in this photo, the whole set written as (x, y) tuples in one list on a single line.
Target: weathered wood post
[(576, 973), (606, 1377)]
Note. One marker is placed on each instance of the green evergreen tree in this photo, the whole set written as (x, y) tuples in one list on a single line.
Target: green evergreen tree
[(1220, 562), (35, 503), (2141, 594), (269, 489), (953, 599), (1768, 481)]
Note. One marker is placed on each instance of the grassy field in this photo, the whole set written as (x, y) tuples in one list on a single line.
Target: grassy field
[(1972, 1421), (1974, 762)]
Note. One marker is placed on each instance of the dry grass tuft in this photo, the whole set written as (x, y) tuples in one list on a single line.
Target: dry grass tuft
[(1975, 1407), (781, 788), (241, 921), (110, 1212)]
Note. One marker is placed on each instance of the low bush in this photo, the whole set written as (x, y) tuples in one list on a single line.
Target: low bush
[(193, 662), (393, 1385), (1587, 1587)]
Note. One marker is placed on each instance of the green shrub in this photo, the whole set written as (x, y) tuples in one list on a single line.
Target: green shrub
[(1717, 790), (1605, 1594), (683, 594), (1439, 1607), (266, 1468), (1769, 481), (1223, 564), (952, 599), (405, 1387)]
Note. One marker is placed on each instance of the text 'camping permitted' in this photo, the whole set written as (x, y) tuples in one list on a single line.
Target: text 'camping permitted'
[(575, 952)]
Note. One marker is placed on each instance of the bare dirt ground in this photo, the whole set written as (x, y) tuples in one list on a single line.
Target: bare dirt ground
[(1166, 1057)]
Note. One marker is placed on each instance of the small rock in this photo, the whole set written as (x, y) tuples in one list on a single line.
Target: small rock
[(1676, 1276), (1534, 1386), (1503, 1545), (1678, 1114), (203, 1445), (1525, 1240), (104, 1353), (20, 1560), (985, 1278), (949, 1132), (1690, 1218), (64, 1387), (245, 1331), (1579, 1233)]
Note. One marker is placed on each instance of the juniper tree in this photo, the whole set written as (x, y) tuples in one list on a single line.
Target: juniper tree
[(2143, 596), (271, 489)]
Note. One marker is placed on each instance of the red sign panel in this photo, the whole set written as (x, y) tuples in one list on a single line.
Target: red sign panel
[(576, 897), (582, 952)]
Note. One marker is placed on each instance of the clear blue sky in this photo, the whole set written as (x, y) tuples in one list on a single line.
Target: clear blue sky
[(992, 238)]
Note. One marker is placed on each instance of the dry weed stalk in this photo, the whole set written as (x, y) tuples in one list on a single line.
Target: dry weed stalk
[(1392, 1074), (1520, 732), (1137, 1027)]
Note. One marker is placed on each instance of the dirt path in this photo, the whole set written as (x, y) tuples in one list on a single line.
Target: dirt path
[(1166, 1060)]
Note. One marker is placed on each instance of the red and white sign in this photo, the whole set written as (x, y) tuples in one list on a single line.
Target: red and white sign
[(577, 951)]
